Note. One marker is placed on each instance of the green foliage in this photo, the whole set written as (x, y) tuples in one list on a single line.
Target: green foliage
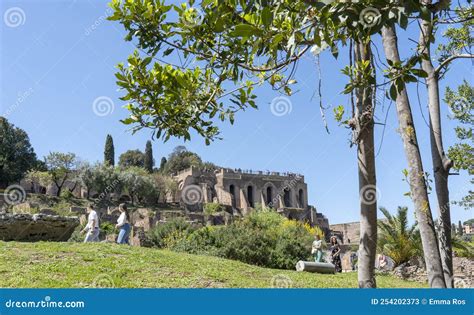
[(263, 238), (213, 208), (43, 178), (398, 240), (462, 248), (109, 151), (132, 158), (236, 46), (66, 195), (181, 159), (161, 232), (461, 103), (16, 154), (162, 164), (149, 162), (107, 228), (61, 167), (140, 185), (101, 178)]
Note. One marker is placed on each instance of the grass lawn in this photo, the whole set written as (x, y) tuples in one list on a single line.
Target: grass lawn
[(76, 265)]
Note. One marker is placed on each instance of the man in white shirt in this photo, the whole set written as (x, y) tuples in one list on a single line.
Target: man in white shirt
[(92, 227)]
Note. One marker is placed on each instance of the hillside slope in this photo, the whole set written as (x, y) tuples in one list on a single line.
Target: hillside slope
[(76, 265)]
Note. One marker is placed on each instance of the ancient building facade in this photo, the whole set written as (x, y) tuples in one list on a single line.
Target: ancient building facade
[(287, 193)]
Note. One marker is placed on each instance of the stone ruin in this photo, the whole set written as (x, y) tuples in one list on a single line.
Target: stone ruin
[(36, 227), (239, 191)]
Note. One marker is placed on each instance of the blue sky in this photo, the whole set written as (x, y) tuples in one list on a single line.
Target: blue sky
[(60, 56)]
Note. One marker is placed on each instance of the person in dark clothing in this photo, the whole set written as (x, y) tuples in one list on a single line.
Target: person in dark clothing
[(335, 254)]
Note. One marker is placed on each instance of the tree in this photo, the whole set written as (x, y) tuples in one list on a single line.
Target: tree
[(149, 162), (42, 178), (418, 187), (138, 184), (60, 167), (460, 228), (398, 240), (109, 151), (181, 159), (461, 103), (459, 40), (233, 40), (132, 158), (162, 164), (16, 153), (259, 42)]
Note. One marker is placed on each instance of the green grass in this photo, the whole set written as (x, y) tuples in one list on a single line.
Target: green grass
[(76, 265)]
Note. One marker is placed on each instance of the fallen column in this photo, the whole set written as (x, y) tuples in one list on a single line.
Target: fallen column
[(311, 266)]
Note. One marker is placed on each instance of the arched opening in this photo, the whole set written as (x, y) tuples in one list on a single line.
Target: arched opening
[(269, 196), (286, 197), (232, 192), (301, 198), (250, 196)]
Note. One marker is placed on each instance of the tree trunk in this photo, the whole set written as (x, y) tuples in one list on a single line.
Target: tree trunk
[(364, 135), (419, 193), (441, 164)]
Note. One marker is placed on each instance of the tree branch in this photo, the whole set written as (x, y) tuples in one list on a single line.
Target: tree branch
[(449, 59)]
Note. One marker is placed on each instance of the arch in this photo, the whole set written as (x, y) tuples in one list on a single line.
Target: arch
[(269, 193), (232, 192), (287, 197), (301, 198), (250, 197)]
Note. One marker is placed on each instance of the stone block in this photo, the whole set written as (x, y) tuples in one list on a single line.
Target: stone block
[(36, 227)]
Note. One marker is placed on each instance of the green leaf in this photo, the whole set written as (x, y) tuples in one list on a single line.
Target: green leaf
[(393, 92), (267, 16), (244, 30)]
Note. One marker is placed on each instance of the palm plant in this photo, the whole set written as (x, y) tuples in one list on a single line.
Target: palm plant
[(397, 239)]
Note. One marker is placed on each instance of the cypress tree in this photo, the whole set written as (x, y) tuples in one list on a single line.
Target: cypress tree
[(149, 157), (109, 151), (162, 163)]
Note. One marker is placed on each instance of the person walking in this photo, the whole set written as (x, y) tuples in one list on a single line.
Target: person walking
[(92, 227), (123, 224), (317, 249), (335, 254)]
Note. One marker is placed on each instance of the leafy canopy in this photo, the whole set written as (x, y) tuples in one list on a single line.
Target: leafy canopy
[(197, 61)]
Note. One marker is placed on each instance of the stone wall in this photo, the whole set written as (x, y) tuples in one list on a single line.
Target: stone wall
[(36, 227), (350, 231)]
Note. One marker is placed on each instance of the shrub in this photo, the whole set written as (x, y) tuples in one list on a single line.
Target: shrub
[(66, 194), (160, 235), (263, 238), (212, 208)]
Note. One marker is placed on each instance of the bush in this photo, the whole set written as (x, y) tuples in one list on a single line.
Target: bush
[(213, 208), (263, 238), (66, 194), (161, 234)]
